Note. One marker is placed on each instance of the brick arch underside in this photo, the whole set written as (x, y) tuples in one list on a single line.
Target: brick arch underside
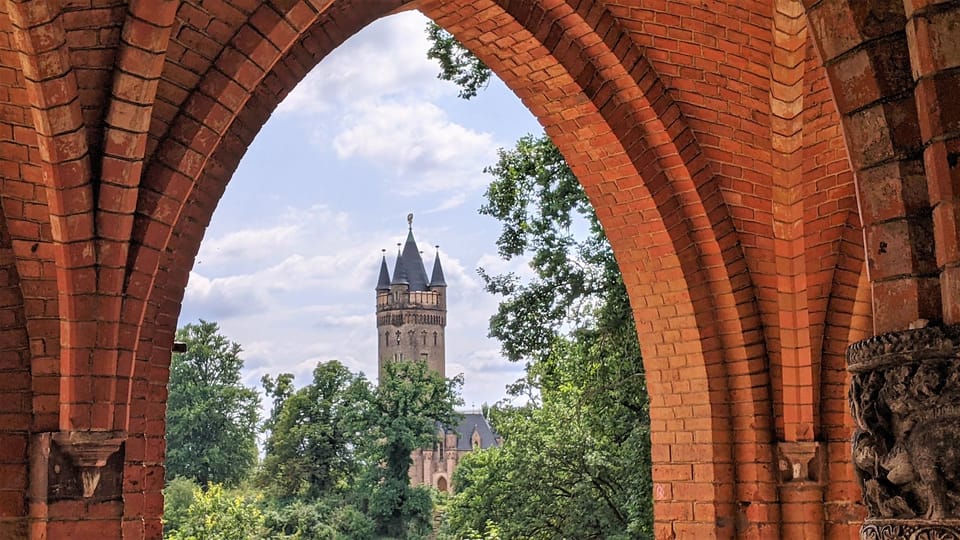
[(655, 191), (675, 162)]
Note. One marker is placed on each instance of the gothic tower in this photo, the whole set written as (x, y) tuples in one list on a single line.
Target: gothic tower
[(411, 310)]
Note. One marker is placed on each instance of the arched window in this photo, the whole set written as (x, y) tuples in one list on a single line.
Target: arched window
[(413, 340), (398, 337), (424, 337), (434, 338)]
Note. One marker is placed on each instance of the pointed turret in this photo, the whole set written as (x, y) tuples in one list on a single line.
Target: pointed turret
[(437, 280), (383, 283), (399, 270), (409, 269), (411, 311)]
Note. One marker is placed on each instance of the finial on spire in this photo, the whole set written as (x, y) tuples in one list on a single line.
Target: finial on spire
[(410, 220)]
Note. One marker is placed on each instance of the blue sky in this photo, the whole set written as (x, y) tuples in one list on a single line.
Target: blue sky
[(289, 263)]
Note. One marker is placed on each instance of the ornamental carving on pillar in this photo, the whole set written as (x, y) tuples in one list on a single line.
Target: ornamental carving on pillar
[(905, 399), (85, 464), (895, 530)]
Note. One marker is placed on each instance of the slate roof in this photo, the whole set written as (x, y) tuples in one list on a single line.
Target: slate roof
[(409, 269), (474, 421), (383, 283), (436, 280)]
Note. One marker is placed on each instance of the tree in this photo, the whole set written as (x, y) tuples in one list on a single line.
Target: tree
[(584, 443), (457, 64), (556, 476), (572, 325), (217, 515), (402, 415), (212, 418), (310, 449), (177, 498)]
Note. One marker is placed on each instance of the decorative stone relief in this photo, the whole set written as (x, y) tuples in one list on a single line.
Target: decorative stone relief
[(800, 461), (890, 530), (85, 464), (905, 399)]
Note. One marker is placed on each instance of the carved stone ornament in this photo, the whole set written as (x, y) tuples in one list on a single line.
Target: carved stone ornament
[(916, 530), (905, 399), (800, 462), (89, 452)]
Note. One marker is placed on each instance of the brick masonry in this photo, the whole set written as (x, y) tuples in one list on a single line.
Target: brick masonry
[(777, 179)]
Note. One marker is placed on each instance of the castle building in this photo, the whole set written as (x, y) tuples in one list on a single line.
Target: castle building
[(411, 309), (411, 319)]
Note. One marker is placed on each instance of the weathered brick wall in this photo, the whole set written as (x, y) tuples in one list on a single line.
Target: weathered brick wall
[(712, 139)]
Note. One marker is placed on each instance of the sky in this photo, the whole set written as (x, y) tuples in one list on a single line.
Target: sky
[(289, 263)]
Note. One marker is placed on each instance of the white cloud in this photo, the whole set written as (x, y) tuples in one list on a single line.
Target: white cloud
[(454, 201), (418, 141), (387, 59), (221, 298), (293, 283), (375, 97)]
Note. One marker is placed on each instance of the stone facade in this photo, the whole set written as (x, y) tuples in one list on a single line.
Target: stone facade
[(411, 316), (411, 309), (435, 466)]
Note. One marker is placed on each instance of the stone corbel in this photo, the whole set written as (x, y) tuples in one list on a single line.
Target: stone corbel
[(800, 462), (89, 452)]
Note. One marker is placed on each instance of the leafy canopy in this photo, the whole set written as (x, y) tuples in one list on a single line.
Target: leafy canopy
[(217, 515), (212, 418), (403, 413), (576, 461), (310, 449), (457, 64)]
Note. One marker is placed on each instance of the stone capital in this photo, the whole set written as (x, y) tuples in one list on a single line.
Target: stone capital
[(89, 452), (905, 399)]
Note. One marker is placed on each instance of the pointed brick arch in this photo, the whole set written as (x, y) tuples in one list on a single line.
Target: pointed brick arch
[(711, 138), (653, 201)]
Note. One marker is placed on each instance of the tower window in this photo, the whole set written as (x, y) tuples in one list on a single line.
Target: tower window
[(434, 338), (424, 337), (413, 340), (398, 337)]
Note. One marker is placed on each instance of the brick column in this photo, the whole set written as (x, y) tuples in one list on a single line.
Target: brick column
[(75, 485), (905, 398)]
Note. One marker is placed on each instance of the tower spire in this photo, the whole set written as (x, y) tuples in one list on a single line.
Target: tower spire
[(409, 269), (437, 280), (383, 283), (411, 309)]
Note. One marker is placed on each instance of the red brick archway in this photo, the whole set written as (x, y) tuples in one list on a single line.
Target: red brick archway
[(707, 137)]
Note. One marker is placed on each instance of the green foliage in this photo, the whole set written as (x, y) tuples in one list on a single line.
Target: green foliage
[(212, 418), (401, 415), (279, 389), (457, 64), (539, 202), (576, 461), (299, 520), (337, 456), (177, 498), (218, 515), (309, 451), (351, 524)]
